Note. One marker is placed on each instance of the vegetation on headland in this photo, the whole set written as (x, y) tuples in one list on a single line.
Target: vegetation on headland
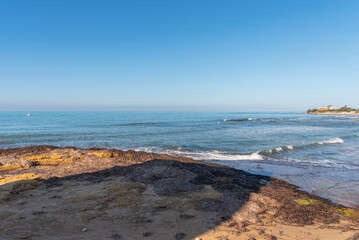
[(331, 110)]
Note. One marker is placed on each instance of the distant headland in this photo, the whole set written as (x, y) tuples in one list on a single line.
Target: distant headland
[(337, 111)]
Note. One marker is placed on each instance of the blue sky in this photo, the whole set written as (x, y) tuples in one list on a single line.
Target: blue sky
[(178, 55)]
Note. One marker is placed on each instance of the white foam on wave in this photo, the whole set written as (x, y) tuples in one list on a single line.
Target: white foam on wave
[(146, 149), (216, 155), (238, 120), (278, 149), (327, 161), (225, 156), (332, 140), (203, 155)]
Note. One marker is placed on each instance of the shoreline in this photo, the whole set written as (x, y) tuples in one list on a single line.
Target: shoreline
[(96, 191), (312, 179)]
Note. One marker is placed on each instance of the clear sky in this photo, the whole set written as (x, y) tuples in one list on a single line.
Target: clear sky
[(178, 54)]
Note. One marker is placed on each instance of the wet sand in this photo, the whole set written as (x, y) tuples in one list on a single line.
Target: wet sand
[(70, 193)]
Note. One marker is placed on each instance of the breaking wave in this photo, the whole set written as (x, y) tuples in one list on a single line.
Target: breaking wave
[(332, 140), (276, 150), (264, 119), (238, 120), (204, 155), (291, 147), (225, 156)]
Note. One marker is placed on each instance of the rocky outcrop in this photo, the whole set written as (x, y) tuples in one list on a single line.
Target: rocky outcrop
[(70, 193)]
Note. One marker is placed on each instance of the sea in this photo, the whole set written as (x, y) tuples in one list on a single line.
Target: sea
[(318, 153)]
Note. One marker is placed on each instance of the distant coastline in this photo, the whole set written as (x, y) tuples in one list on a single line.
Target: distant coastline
[(334, 111)]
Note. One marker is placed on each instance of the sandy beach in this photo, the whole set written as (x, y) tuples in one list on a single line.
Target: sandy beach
[(70, 193)]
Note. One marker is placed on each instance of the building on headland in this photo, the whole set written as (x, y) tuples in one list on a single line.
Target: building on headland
[(327, 108)]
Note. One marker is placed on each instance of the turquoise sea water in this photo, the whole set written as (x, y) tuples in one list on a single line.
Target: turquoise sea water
[(316, 152)]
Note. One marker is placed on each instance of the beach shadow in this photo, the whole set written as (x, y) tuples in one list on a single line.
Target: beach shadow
[(157, 199)]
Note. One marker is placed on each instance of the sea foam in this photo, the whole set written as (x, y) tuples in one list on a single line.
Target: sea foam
[(204, 155), (332, 140)]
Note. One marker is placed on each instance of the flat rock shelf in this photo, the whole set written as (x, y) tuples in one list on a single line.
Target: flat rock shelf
[(70, 193)]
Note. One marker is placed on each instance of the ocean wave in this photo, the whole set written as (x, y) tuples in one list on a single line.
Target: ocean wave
[(139, 124), (264, 119), (238, 120), (275, 150), (330, 141), (291, 147), (218, 155), (225, 156), (253, 119), (204, 155)]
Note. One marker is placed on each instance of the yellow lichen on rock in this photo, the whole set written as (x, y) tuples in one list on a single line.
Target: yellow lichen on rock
[(11, 186), (349, 212), (43, 157), (9, 167), (27, 176), (104, 154), (54, 158), (307, 202)]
